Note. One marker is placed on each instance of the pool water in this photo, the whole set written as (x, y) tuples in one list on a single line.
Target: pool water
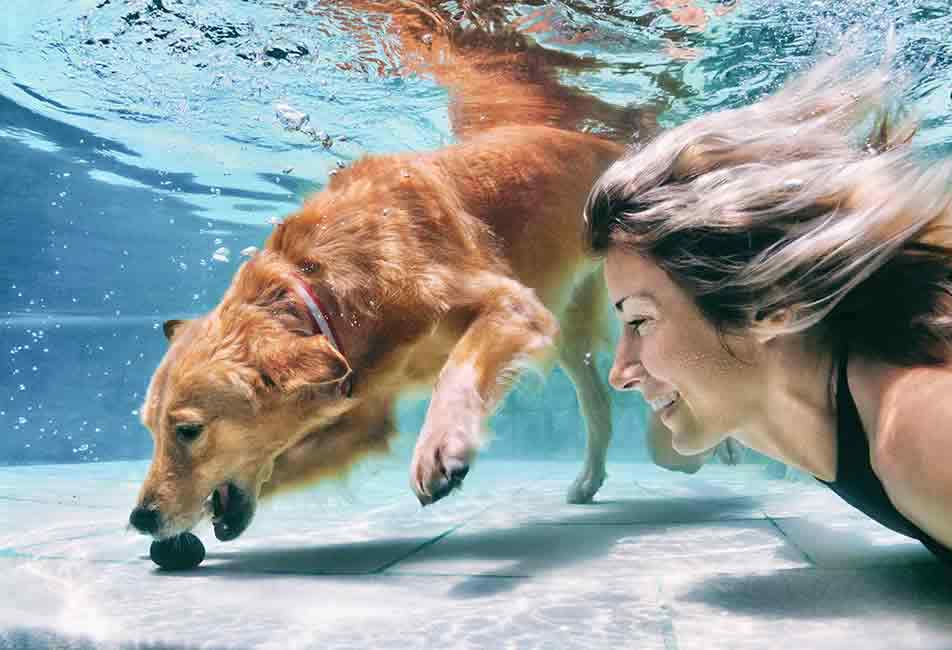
[(144, 144)]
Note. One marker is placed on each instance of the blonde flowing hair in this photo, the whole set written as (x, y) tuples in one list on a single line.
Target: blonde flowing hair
[(804, 211)]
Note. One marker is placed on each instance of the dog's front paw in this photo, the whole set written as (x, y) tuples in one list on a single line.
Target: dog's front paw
[(440, 465), (585, 486)]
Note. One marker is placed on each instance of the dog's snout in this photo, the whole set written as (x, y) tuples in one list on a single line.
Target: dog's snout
[(145, 520)]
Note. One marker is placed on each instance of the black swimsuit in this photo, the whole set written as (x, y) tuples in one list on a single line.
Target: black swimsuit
[(855, 481)]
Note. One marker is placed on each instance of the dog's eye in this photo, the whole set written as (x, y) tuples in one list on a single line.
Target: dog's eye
[(189, 431), (266, 379)]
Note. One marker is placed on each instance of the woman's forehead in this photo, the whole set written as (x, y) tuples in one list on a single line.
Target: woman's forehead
[(629, 274)]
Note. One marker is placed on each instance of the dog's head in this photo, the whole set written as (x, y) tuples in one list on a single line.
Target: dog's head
[(235, 389)]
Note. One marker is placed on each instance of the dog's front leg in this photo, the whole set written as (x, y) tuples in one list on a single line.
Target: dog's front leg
[(511, 328)]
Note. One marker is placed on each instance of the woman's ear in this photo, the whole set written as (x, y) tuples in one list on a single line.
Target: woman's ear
[(770, 326)]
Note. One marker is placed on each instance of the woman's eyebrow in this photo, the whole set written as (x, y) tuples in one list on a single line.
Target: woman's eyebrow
[(646, 295)]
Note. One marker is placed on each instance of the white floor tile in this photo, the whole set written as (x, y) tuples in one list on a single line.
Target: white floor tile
[(721, 559)]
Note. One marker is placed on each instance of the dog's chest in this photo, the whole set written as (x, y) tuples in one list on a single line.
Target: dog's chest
[(427, 356)]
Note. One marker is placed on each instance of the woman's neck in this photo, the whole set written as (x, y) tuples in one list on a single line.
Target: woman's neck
[(797, 424)]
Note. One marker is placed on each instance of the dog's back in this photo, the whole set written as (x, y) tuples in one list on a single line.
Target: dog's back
[(529, 185), (510, 198)]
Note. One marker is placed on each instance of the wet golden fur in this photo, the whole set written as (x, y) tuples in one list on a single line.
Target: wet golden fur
[(448, 270), (468, 255)]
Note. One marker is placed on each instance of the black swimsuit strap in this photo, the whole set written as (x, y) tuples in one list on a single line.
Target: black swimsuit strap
[(850, 437), (855, 480)]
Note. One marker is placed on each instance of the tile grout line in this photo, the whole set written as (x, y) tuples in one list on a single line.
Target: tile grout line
[(379, 570), (671, 522), (790, 539), (668, 635), (430, 542), (418, 574), (14, 554), (57, 503)]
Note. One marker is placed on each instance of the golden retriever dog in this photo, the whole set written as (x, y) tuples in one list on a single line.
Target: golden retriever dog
[(450, 270)]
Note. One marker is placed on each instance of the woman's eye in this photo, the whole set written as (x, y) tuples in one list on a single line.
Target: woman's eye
[(188, 432), (638, 325)]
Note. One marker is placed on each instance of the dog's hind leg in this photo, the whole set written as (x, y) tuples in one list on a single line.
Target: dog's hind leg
[(508, 329), (583, 334)]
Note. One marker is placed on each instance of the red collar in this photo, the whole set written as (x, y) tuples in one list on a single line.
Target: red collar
[(321, 323)]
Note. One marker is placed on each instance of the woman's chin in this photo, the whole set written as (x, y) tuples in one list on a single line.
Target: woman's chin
[(689, 446), (687, 438)]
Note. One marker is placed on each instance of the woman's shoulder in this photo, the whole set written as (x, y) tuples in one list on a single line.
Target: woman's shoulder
[(896, 401)]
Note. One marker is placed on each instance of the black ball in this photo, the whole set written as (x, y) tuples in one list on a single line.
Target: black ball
[(179, 553)]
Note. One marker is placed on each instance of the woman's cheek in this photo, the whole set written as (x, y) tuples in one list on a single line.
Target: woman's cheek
[(656, 356)]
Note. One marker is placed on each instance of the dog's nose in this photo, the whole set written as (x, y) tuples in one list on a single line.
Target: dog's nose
[(145, 520)]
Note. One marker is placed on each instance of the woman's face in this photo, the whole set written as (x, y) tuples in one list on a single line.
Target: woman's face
[(671, 354)]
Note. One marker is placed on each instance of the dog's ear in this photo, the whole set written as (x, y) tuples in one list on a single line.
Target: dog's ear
[(170, 327), (298, 362)]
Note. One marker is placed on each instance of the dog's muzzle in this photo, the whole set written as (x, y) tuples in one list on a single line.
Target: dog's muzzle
[(145, 520), (232, 510)]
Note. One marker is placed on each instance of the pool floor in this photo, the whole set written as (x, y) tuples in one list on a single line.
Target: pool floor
[(726, 558)]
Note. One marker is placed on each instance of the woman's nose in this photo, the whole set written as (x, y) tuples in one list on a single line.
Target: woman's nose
[(627, 371), (626, 377)]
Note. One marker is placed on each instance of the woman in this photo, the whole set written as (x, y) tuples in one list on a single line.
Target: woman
[(789, 284)]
